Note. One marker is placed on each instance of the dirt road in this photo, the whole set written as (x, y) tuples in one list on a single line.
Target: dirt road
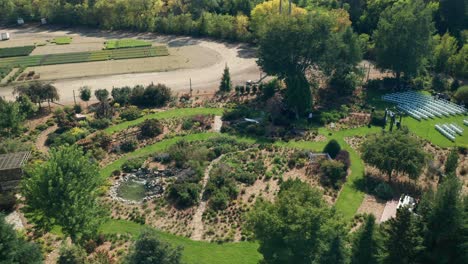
[(200, 60)]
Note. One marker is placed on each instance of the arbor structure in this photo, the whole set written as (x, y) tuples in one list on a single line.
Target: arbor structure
[(394, 152), (149, 249), (63, 191), (298, 227), (403, 37)]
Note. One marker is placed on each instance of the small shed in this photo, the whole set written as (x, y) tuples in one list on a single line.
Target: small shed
[(20, 21), (11, 169), (4, 36)]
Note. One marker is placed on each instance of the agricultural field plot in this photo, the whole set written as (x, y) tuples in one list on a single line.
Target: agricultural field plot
[(77, 57), (126, 43), (16, 51), (62, 40), (4, 72)]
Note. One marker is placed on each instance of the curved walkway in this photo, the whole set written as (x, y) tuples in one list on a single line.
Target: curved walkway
[(42, 138), (197, 222)]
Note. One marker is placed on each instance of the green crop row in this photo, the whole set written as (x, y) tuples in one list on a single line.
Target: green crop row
[(16, 51), (126, 43), (76, 57)]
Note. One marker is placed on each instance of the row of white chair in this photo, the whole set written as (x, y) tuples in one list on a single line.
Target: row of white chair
[(421, 106), (444, 132)]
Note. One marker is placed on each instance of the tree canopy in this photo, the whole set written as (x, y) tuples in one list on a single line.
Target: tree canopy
[(394, 152), (403, 37), (299, 227), (62, 191)]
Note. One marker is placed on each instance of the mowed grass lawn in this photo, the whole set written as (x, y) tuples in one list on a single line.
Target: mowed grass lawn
[(194, 252), (426, 129), (180, 112)]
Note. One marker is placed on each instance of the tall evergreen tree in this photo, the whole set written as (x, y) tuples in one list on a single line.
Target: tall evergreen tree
[(365, 247), (226, 83), (403, 241), (444, 219), (63, 191)]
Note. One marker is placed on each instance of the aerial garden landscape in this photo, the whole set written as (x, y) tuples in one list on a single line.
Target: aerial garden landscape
[(346, 148)]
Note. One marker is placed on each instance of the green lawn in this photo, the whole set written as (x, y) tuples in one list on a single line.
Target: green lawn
[(62, 40), (179, 112), (126, 43), (195, 252), (426, 129)]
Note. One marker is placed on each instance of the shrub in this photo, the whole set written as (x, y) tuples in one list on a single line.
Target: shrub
[(330, 116), (131, 113), (187, 124), (128, 145), (77, 109), (451, 162), (333, 172), (151, 128), (378, 118), (343, 157), (332, 148), (184, 194), (121, 95), (153, 95), (102, 139), (100, 123), (219, 201), (383, 191), (132, 164), (462, 94)]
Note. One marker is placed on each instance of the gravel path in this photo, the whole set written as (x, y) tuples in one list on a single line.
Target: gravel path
[(42, 138), (197, 221), (217, 124)]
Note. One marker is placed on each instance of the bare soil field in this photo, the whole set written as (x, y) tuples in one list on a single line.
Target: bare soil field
[(200, 60)]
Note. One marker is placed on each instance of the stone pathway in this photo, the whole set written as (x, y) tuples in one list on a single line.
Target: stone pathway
[(197, 221), (217, 124), (15, 220), (42, 138)]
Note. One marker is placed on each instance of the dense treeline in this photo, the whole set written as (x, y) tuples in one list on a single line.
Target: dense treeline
[(412, 38)]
